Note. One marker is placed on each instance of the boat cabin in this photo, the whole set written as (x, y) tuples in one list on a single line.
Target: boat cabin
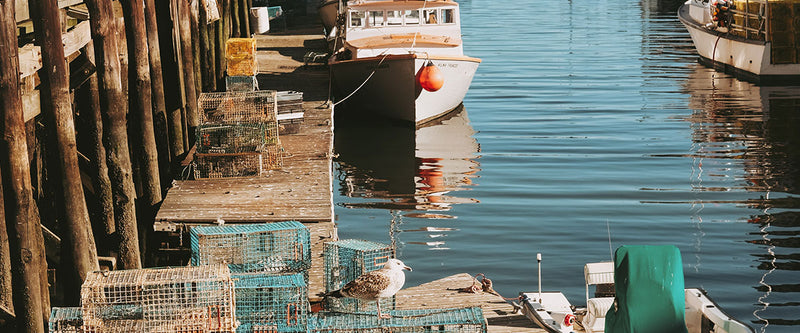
[(375, 28)]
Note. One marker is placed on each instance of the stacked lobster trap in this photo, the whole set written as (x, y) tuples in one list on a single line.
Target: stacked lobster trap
[(270, 262), (65, 320), (238, 134), (159, 300), (347, 259)]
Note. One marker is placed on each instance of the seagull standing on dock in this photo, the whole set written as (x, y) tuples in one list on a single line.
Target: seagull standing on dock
[(372, 286)]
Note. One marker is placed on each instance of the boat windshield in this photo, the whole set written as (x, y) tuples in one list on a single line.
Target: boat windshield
[(391, 18)]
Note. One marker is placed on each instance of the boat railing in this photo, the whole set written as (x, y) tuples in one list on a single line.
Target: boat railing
[(749, 19)]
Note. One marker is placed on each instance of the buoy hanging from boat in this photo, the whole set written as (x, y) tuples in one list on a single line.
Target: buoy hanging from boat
[(430, 77), (569, 319)]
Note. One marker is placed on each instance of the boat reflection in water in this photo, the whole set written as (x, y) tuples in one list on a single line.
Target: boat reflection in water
[(760, 127), (414, 172)]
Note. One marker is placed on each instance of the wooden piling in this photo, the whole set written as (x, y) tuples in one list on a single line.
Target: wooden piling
[(90, 92), (195, 29), (18, 196), (168, 44), (157, 90), (206, 63), (188, 67), (141, 109), (245, 18), (6, 289), (235, 25), (219, 47), (57, 109), (115, 131)]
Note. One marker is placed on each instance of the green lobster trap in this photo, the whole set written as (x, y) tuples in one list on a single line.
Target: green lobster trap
[(279, 247), (271, 303), (65, 320), (345, 260), (248, 164), (159, 300), (463, 320), (236, 137)]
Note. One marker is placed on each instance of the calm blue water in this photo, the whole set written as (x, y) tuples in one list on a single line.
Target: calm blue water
[(585, 117)]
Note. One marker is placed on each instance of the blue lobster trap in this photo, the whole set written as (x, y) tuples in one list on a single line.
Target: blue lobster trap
[(271, 303), (462, 320), (345, 260), (280, 247), (65, 320)]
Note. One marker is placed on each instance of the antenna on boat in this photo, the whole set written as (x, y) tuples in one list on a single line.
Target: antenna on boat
[(610, 251), (539, 260)]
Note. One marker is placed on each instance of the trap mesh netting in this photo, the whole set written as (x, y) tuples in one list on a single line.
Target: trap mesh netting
[(463, 320), (238, 107), (246, 164), (271, 303), (181, 299), (347, 259), (266, 247), (65, 320)]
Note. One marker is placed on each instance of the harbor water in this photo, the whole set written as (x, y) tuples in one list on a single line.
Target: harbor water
[(589, 125)]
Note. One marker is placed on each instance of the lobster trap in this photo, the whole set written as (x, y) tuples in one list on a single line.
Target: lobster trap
[(65, 320), (271, 303), (279, 247), (345, 260), (290, 111), (159, 300), (463, 320), (231, 138), (226, 165), (238, 107)]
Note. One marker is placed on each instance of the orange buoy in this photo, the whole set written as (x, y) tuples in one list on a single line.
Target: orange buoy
[(569, 319), (430, 77)]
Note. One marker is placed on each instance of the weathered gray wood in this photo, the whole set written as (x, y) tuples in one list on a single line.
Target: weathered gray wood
[(30, 56), (90, 93), (18, 197), (57, 108), (141, 102), (22, 11), (170, 53), (115, 131), (244, 13), (206, 68), (219, 47), (235, 25)]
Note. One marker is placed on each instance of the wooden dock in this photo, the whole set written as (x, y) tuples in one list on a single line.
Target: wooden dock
[(444, 293)]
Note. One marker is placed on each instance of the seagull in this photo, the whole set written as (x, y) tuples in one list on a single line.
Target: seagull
[(374, 285)]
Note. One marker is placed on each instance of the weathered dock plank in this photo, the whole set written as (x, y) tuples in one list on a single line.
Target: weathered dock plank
[(444, 293)]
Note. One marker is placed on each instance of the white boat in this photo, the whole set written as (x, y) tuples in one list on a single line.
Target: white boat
[(382, 50), (554, 313), (745, 38)]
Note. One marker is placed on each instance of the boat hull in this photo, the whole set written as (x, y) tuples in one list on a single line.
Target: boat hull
[(746, 58), (387, 87), (327, 11)]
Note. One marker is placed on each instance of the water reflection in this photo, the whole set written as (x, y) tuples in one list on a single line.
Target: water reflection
[(738, 124), (395, 167)]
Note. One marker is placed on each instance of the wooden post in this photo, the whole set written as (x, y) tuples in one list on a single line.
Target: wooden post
[(18, 195), (198, 78), (6, 289), (141, 101), (115, 131), (57, 108), (219, 50), (170, 67), (245, 18), (99, 172), (206, 67), (211, 53), (235, 25), (157, 91), (188, 68)]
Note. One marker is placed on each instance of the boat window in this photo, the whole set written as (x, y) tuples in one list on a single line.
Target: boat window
[(375, 18), (356, 19), (430, 16), (411, 17), (448, 16), (394, 17)]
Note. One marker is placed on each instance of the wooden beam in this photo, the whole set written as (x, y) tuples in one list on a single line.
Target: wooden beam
[(23, 12), (30, 56)]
